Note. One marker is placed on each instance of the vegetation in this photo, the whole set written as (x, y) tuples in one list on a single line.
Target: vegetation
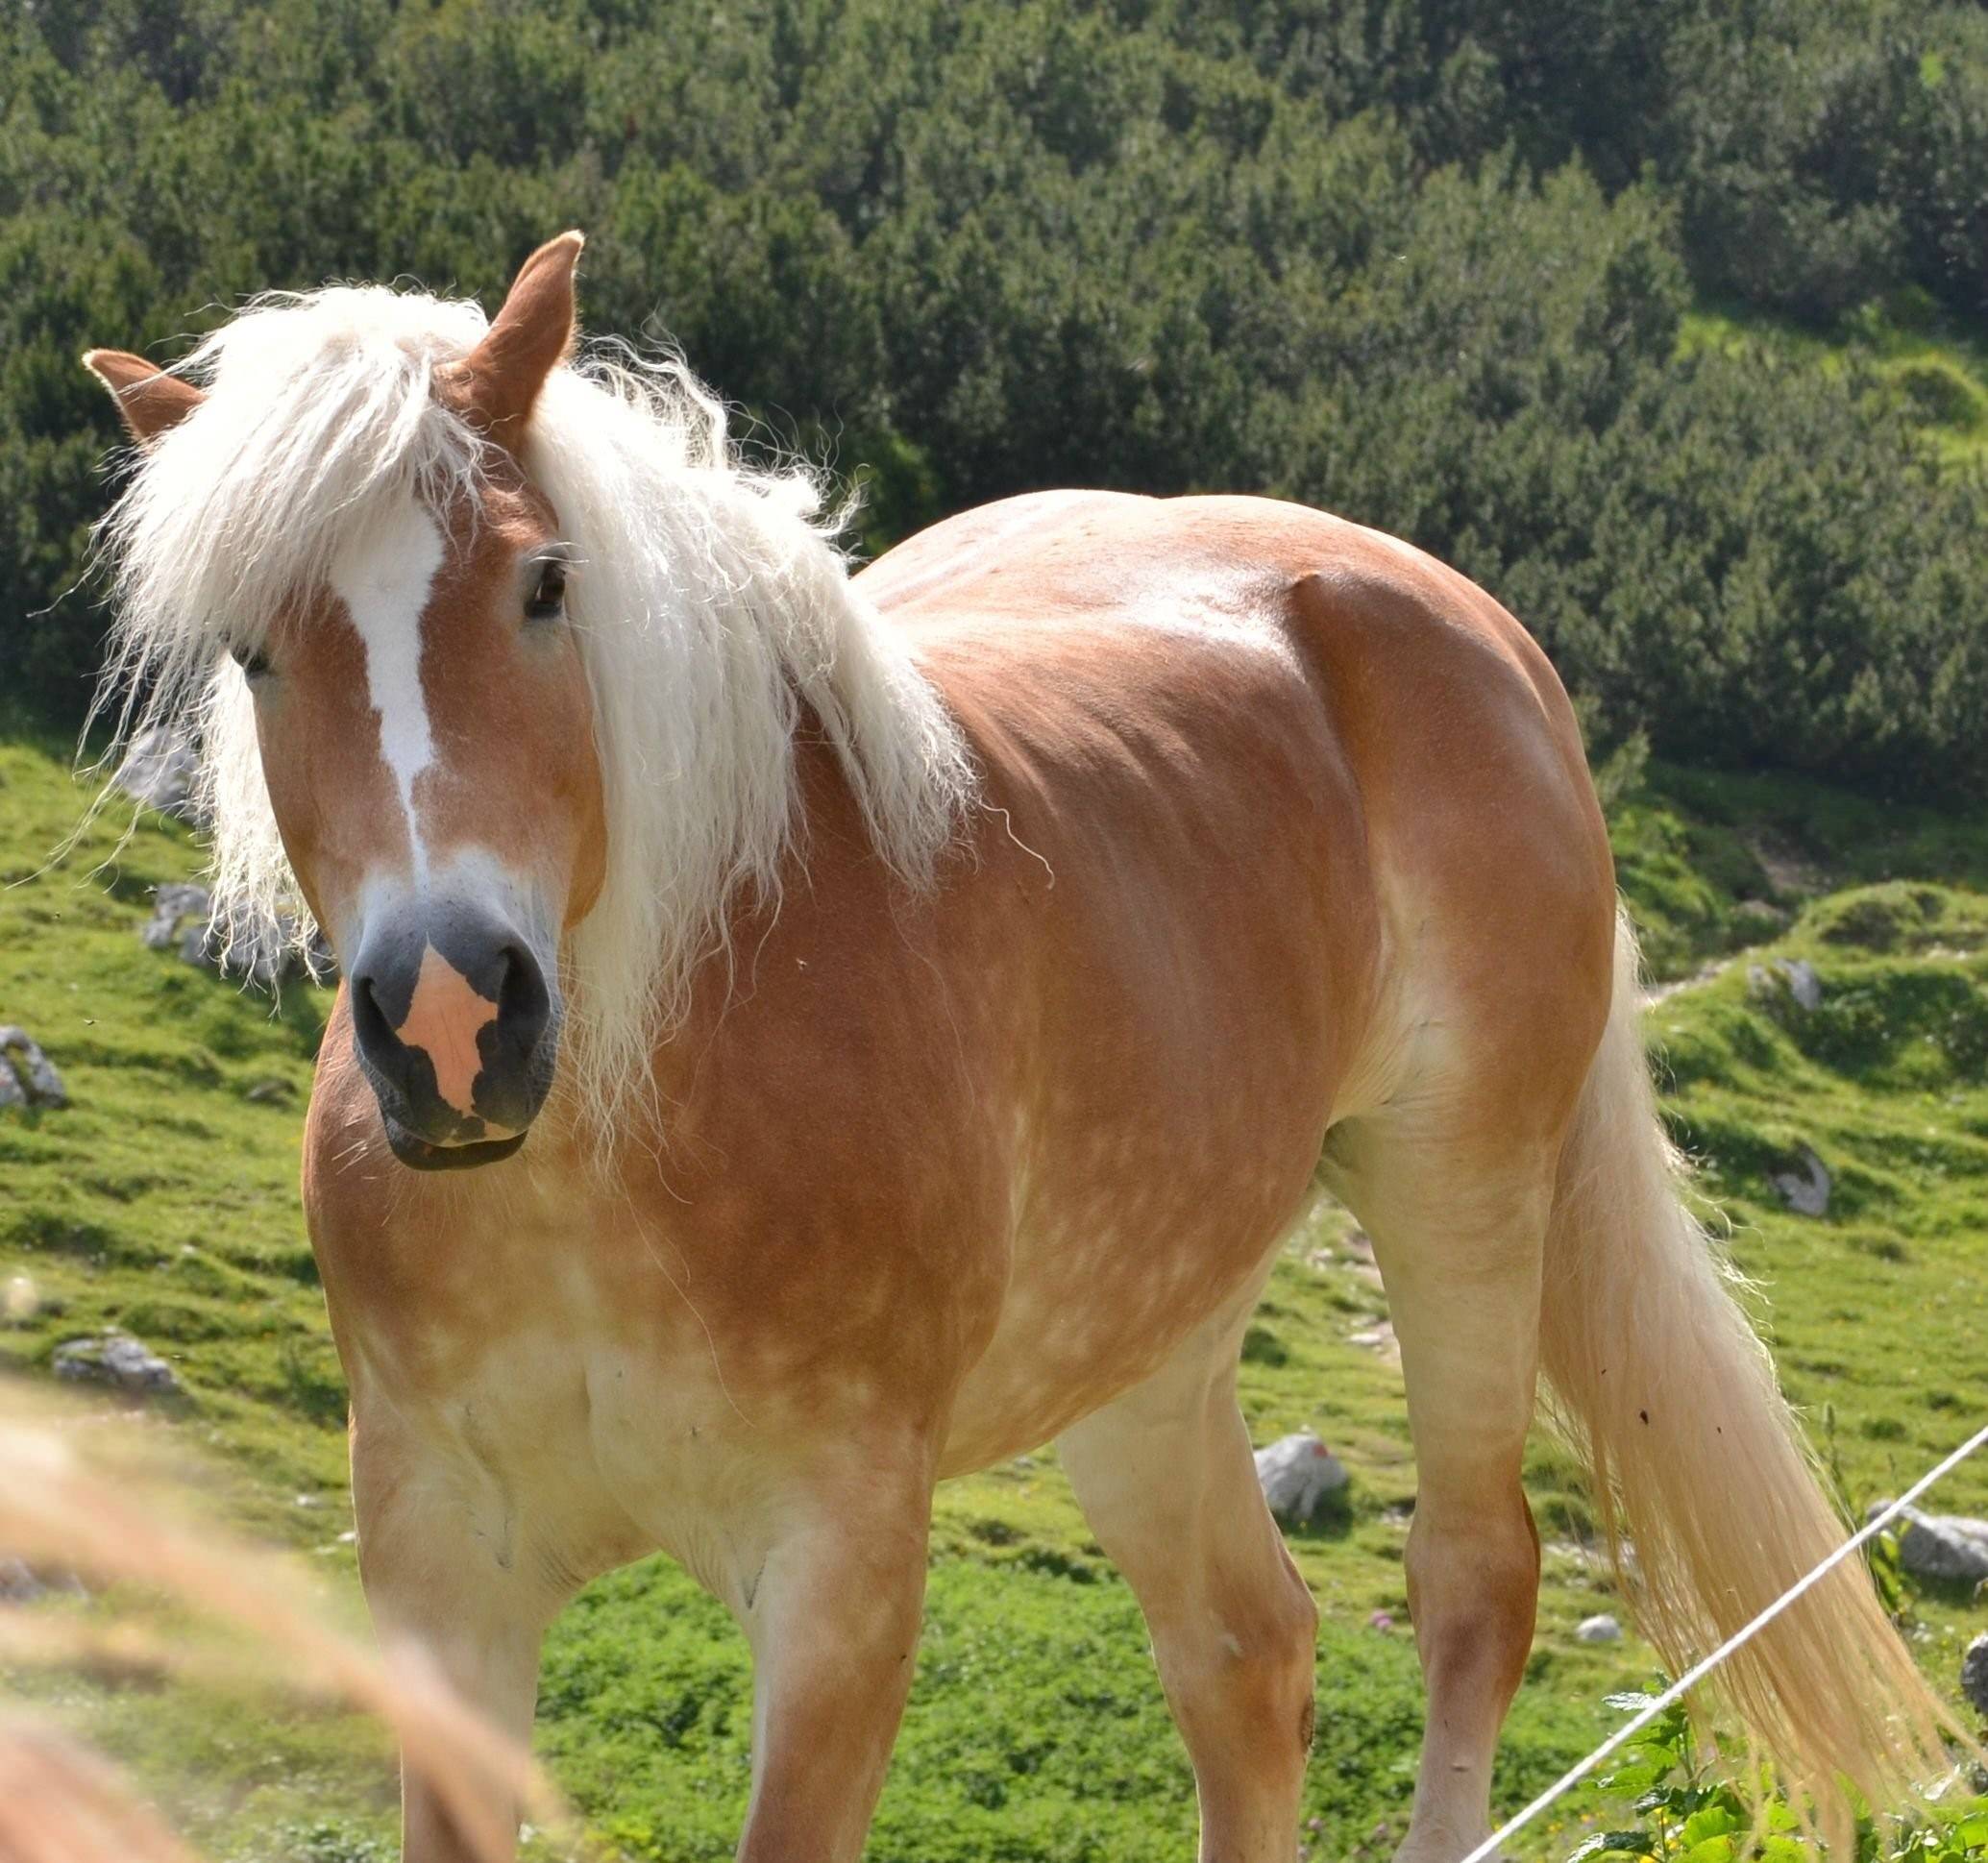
[(1663, 322), (1684, 1810), (1428, 262), (162, 1200)]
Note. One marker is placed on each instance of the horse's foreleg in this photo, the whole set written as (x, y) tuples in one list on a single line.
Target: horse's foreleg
[(1166, 1480), (832, 1613), (440, 1569), (1459, 1247)]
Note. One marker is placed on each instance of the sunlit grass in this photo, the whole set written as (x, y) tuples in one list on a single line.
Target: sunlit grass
[(164, 1199)]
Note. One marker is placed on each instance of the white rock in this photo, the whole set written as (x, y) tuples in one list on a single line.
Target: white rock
[(159, 770), (27, 1075), (180, 912), (1806, 1193), (1949, 1547), (20, 1299), (1599, 1629), (267, 954), (1296, 1474), (1804, 984), (1973, 1673), (21, 1583), (118, 1360)]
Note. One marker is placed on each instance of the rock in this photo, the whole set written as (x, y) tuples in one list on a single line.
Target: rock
[(1599, 1629), (21, 1583), (266, 956), (1806, 1191), (27, 1075), (1785, 980), (116, 1359), (180, 912), (1948, 1546), (1296, 1474), (20, 1300), (1973, 1673), (159, 771)]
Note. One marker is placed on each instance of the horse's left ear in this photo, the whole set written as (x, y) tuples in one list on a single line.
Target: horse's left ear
[(498, 381), (150, 400)]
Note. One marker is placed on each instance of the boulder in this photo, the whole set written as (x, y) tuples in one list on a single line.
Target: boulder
[(267, 956), (1946, 1547), (1806, 1190), (116, 1359), (21, 1583), (179, 921), (1599, 1629), (1784, 981), (1973, 1673), (27, 1075), (159, 771), (1296, 1474)]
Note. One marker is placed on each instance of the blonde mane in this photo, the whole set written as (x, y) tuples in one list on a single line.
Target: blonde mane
[(710, 603)]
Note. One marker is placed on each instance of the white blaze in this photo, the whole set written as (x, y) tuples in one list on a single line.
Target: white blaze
[(384, 578)]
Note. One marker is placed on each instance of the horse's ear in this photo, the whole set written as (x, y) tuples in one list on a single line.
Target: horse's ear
[(150, 400), (497, 383)]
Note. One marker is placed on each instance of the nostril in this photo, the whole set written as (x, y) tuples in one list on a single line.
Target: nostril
[(368, 1019), (523, 1002)]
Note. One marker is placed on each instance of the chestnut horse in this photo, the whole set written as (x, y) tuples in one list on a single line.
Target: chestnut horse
[(803, 1036)]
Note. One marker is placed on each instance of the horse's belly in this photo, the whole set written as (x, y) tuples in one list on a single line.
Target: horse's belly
[(1111, 1278)]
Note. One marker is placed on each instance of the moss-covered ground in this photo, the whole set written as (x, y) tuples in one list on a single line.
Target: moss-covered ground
[(163, 1200)]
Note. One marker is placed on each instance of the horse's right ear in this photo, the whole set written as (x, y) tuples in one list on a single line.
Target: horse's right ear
[(150, 401), (497, 383)]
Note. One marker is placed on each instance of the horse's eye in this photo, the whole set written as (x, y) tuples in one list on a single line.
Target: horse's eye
[(254, 663), (548, 597)]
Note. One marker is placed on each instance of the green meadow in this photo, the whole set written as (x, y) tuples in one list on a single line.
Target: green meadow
[(163, 1200)]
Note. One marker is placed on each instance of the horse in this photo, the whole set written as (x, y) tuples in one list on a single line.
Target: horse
[(804, 1033)]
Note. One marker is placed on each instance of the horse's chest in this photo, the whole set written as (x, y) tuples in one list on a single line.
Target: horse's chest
[(573, 1447), (548, 1374)]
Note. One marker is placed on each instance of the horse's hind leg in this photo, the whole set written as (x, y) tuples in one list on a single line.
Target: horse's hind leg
[(1166, 1480), (1459, 1232)]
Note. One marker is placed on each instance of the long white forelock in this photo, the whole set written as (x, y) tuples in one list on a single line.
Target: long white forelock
[(710, 604), (318, 411)]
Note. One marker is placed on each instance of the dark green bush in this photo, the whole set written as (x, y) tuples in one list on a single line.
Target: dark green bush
[(1421, 261)]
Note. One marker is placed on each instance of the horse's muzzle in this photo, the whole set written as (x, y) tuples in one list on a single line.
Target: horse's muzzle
[(457, 1028)]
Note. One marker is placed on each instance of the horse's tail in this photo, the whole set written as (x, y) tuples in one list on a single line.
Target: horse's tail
[(1706, 1493)]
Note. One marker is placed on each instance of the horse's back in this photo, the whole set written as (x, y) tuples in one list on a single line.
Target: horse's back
[(1300, 674)]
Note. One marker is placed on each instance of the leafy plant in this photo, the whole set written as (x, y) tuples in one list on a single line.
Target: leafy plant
[(1684, 1810)]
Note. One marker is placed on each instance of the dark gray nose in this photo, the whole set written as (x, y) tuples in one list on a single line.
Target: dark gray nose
[(458, 1029)]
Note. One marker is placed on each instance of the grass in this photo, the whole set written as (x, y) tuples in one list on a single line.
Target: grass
[(1936, 365), (163, 1200)]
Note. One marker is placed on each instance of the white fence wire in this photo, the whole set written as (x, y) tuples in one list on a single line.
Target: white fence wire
[(1699, 1670)]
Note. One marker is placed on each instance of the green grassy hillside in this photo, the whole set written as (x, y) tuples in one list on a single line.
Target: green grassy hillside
[(163, 1200)]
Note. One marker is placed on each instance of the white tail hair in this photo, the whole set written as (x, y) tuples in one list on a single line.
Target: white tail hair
[(711, 605), (1698, 1463)]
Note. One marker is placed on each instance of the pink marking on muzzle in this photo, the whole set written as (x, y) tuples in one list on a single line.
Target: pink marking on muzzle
[(442, 1021)]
